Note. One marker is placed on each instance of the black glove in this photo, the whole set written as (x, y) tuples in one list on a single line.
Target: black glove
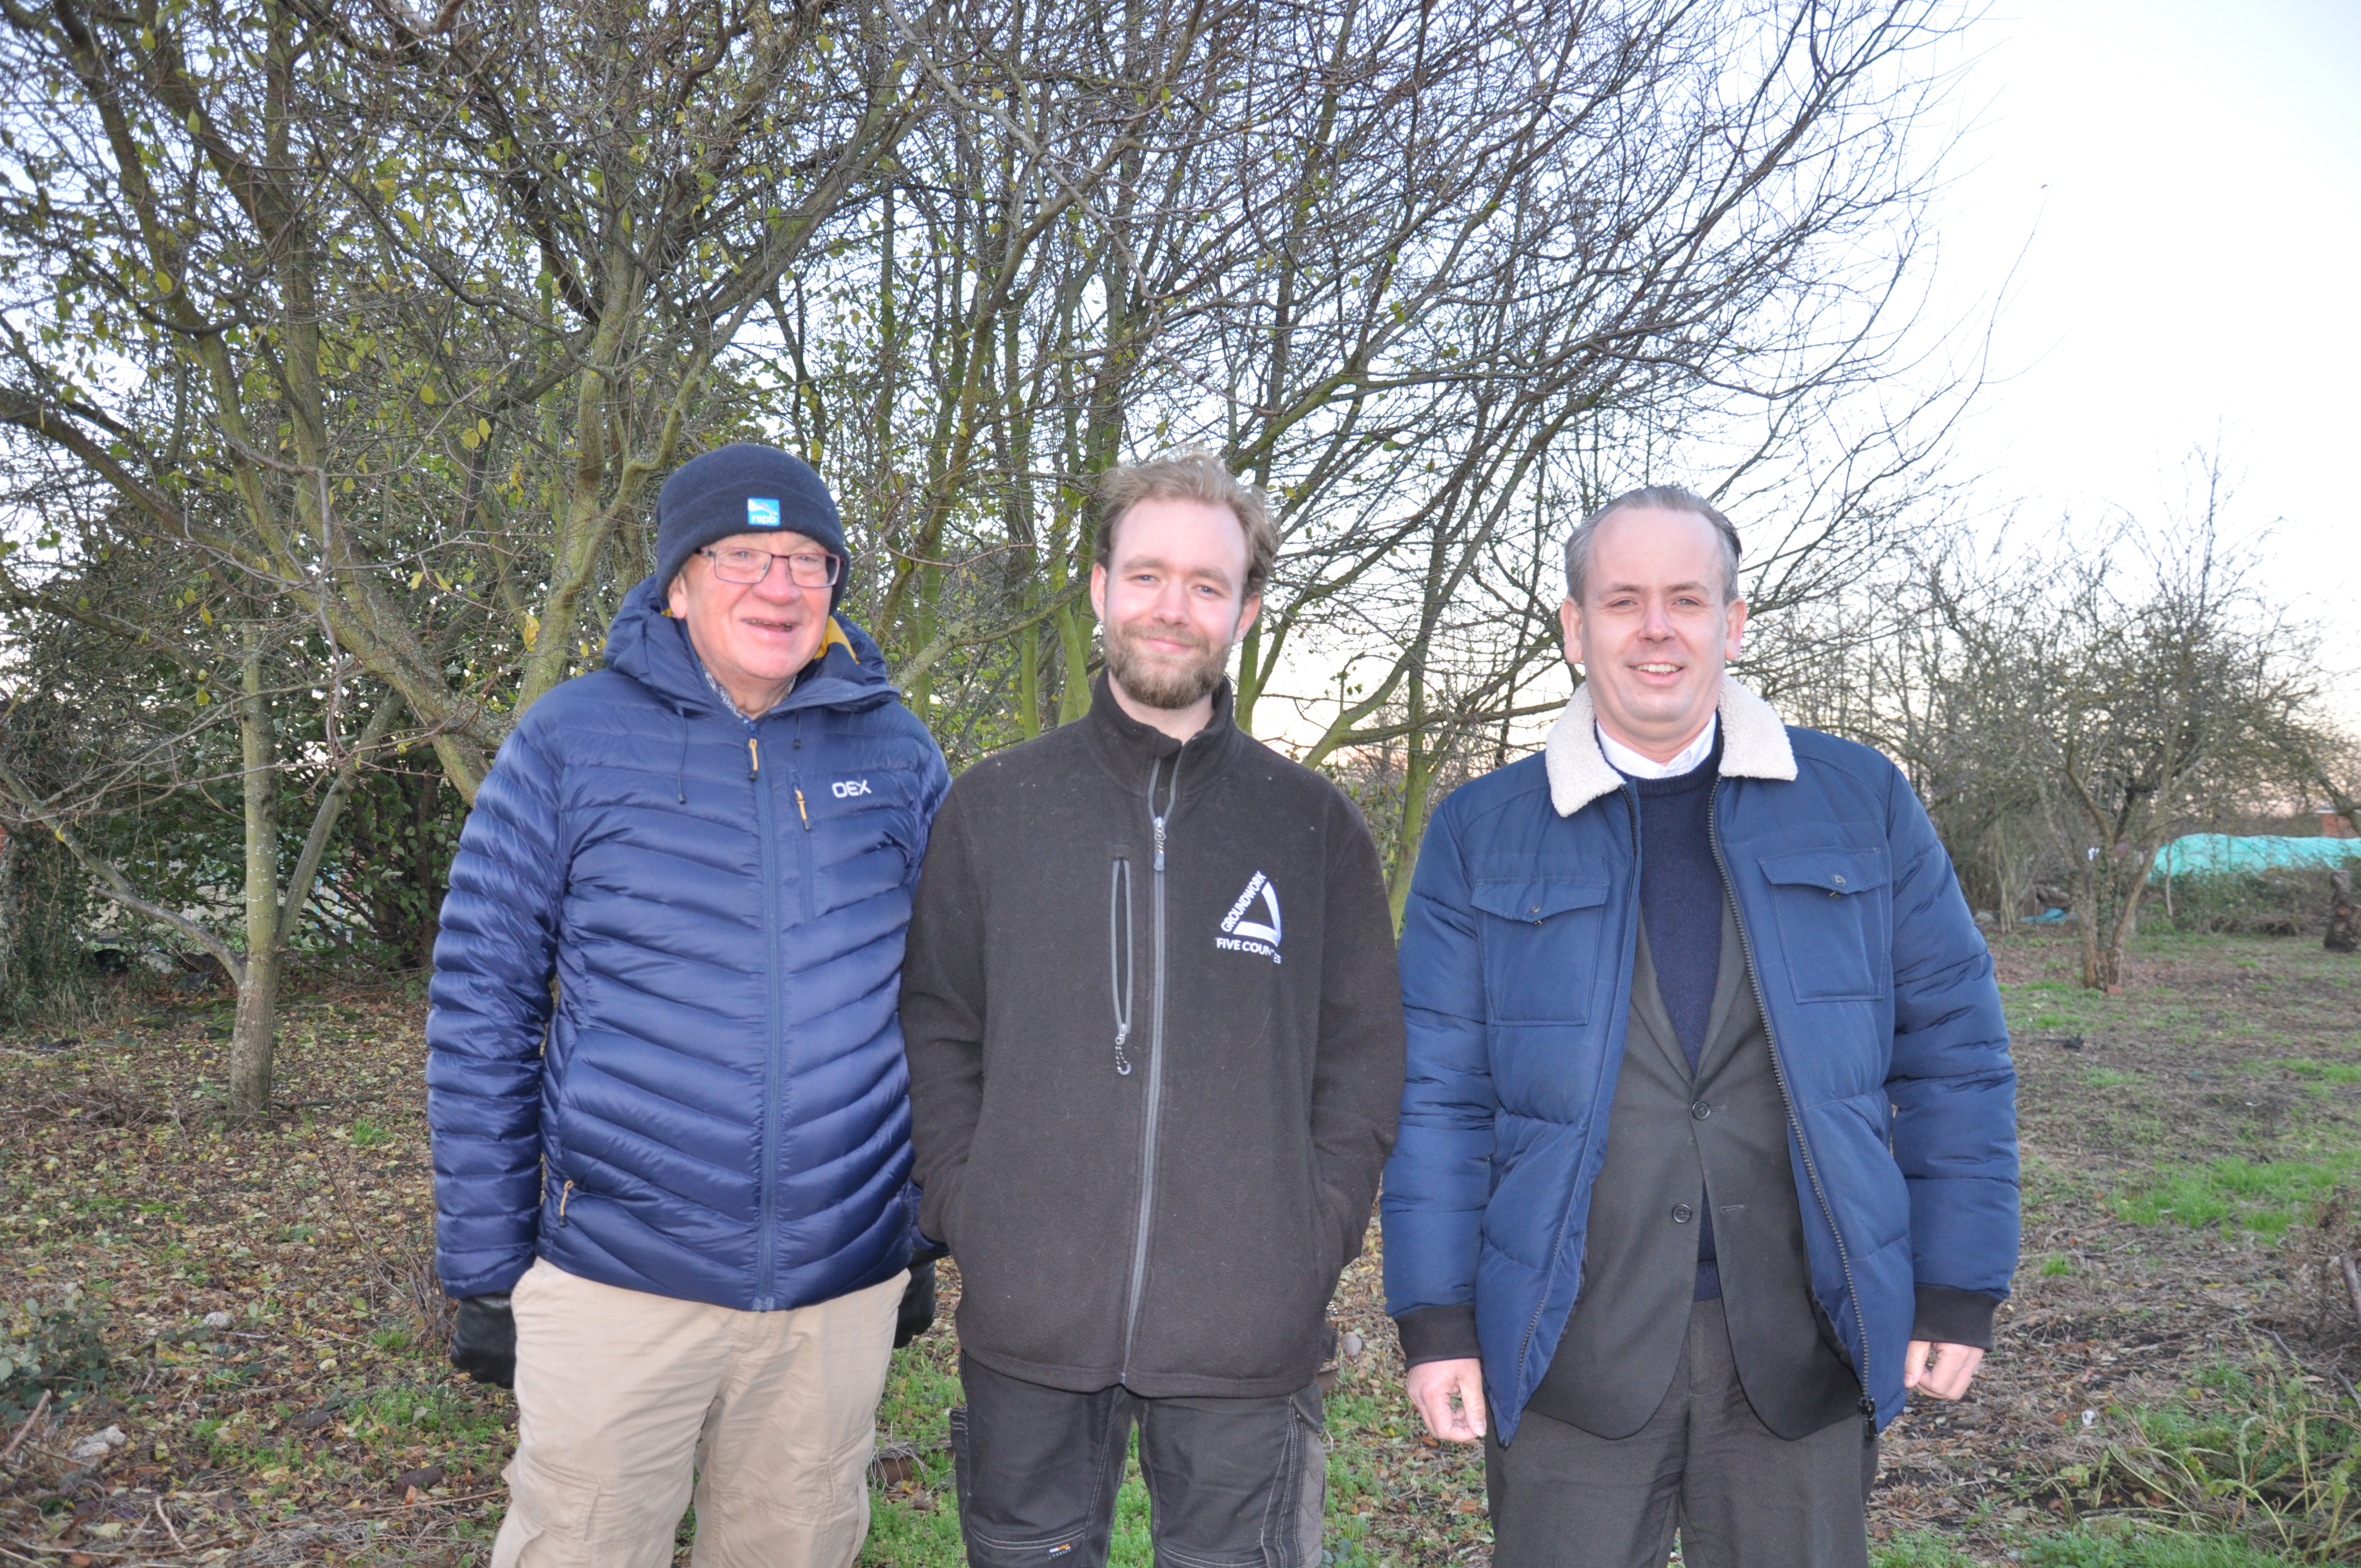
[(483, 1345), (917, 1313)]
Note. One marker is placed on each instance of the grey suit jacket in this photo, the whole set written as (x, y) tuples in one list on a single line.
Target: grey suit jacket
[(1673, 1142)]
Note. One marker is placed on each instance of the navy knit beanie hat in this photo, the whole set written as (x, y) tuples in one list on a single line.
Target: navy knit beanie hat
[(743, 488)]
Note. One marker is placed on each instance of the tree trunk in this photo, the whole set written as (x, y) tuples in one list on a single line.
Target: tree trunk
[(2127, 921), (258, 994), (252, 1036), (2344, 914), (2086, 925), (1418, 778)]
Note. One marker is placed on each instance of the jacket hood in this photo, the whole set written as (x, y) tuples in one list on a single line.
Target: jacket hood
[(649, 646), (1754, 746)]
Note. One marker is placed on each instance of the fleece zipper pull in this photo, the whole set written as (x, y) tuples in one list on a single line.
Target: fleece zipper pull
[(1119, 958), (753, 757)]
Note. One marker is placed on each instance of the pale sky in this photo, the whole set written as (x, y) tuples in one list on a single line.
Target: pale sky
[(2183, 181)]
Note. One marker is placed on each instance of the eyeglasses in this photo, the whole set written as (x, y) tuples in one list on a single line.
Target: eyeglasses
[(806, 568)]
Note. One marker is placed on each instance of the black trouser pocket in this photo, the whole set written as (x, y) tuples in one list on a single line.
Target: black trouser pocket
[(1302, 1505), (1032, 1467)]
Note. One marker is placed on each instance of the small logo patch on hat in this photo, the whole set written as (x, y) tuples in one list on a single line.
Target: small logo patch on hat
[(762, 512)]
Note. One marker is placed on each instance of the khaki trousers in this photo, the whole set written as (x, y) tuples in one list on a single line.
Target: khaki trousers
[(622, 1396)]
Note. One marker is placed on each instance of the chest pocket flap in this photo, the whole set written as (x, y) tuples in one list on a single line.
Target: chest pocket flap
[(1833, 871), (1838, 943), (1535, 899), (1542, 951)]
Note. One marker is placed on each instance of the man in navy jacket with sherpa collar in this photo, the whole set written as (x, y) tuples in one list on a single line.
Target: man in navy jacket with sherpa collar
[(1708, 1148), (673, 1191)]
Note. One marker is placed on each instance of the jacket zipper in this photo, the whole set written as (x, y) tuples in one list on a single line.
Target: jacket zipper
[(1631, 812), (1787, 1097), (765, 1243), (803, 846), (1120, 958), (1155, 1062), (563, 1199)]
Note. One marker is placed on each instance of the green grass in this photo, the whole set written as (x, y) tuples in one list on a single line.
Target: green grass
[(2151, 1549), (2311, 1068), (393, 1416), (2109, 1078), (2264, 1197), (2101, 1544), (1919, 1548), (2253, 1445)]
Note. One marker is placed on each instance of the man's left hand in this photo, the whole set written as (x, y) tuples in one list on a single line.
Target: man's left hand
[(916, 1314), (1946, 1374)]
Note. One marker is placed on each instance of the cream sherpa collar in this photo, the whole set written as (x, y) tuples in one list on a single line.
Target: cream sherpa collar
[(1754, 746)]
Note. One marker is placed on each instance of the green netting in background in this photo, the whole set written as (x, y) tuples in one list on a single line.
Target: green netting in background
[(2219, 854)]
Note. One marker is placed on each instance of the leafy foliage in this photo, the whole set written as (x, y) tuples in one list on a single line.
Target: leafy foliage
[(52, 1342)]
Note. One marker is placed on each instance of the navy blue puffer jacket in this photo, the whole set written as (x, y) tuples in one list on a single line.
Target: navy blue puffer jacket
[(720, 1111), (1877, 989)]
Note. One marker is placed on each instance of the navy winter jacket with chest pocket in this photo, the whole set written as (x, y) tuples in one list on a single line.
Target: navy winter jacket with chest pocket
[(1877, 990), (721, 1112)]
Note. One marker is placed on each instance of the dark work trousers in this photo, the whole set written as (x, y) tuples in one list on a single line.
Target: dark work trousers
[(1738, 1492), (1231, 1483)]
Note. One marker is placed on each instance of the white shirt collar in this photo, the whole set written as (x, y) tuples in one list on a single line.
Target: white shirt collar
[(1624, 760)]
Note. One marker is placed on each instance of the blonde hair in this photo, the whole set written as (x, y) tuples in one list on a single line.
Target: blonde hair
[(1189, 476)]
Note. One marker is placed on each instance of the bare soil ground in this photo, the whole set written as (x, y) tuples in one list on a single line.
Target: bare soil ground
[(273, 1388)]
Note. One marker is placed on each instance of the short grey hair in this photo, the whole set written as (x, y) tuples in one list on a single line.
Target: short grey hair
[(1654, 498)]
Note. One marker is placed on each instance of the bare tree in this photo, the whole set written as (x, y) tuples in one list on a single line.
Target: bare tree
[(426, 303), (1439, 281), (365, 334), (2106, 696)]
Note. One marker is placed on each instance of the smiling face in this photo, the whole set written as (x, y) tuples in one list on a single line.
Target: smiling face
[(1172, 603), (755, 637), (1655, 632)]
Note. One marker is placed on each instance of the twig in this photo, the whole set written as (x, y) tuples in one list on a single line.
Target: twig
[(178, 1543), (425, 1502), (79, 1549), (2352, 1284), (24, 1431)]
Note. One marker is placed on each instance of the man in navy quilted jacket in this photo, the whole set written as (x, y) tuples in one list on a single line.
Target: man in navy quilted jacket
[(666, 1076), (1708, 1143)]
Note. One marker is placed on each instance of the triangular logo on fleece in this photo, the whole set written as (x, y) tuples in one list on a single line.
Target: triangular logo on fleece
[(1240, 935)]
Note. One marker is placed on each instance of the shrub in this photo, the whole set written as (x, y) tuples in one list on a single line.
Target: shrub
[(2281, 902), (43, 897), (2252, 1448)]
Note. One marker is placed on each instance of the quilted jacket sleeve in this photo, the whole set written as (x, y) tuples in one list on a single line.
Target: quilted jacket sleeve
[(1954, 1087), (1439, 1177), (489, 1006)]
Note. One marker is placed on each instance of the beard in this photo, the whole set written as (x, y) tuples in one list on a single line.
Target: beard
[(1164, 680)]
